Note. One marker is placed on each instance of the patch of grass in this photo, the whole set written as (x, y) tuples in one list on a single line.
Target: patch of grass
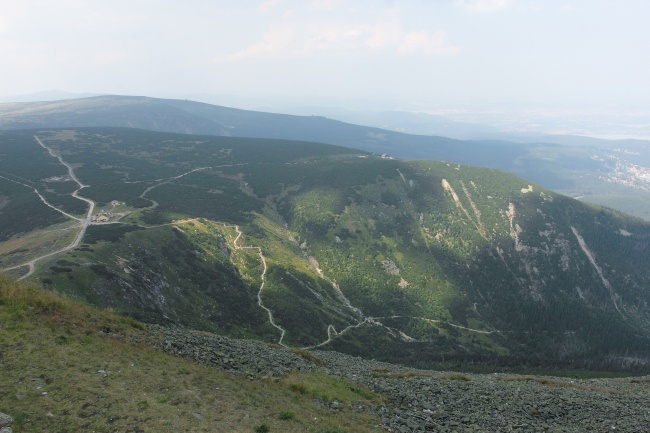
[(385, 373), (559, 383), (308, 356), (454, 376), (286, 415), (300, 388), (79, 364), (26, 304), (326, 387), (262, 428)]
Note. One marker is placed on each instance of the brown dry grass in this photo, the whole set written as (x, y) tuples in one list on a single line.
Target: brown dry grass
[(385, 373), (559, 383), (640, 380)]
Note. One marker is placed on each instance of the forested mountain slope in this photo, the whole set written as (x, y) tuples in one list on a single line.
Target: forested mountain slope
[(610, 173), (314, 245)]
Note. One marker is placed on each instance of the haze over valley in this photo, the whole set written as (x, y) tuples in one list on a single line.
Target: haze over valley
[(324, 216)]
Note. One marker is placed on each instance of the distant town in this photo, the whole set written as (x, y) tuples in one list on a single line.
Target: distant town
[(625, 173)]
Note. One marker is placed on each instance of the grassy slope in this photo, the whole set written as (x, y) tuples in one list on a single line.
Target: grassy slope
[(69, 367)]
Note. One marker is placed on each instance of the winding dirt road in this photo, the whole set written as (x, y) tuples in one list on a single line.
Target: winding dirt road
[(84, 222)]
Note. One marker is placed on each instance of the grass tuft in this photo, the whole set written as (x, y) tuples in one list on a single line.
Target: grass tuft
[(286, 415), (262, 428), (308, 356), (326, 387)]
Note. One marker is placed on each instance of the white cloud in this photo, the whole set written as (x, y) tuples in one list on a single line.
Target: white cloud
[(482, 6), (108, 57), (424, 43), (4, 24), (301, 35), (386, 31), (326, 5), (268, 5), (275, 43), (12, 15)]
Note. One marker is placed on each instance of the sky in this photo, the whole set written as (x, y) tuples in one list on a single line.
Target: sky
[(389, 54)]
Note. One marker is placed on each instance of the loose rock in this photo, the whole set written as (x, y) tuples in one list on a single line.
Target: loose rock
[(5, 420)]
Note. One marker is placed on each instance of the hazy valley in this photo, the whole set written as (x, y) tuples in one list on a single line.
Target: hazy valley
[(288, 273), (325, 216)]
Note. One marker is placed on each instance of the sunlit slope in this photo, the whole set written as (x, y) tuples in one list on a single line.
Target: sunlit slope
[(314, 245)]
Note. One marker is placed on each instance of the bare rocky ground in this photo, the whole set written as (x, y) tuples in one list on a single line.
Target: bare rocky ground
[(430, 401)]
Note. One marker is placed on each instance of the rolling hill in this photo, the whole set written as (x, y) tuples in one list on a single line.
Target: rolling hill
[(610, 173), (314, 245)]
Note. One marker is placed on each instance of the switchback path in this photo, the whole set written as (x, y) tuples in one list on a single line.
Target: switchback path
[(331, 331), (154, 205), (480, 331), (259, 293)]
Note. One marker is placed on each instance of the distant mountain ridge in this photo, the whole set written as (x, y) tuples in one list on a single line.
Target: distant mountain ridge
[(189, 117), (47, 95), (611, 173)]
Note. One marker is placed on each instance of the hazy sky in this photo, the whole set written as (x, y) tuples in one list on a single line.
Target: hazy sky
[(417, 52)]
